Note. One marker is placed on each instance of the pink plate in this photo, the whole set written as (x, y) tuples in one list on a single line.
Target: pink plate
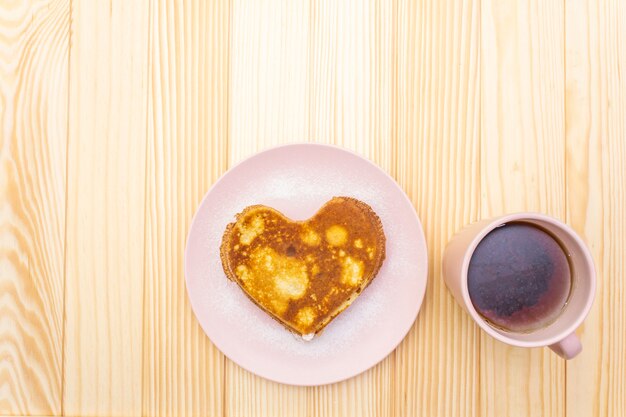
[(297, 180)]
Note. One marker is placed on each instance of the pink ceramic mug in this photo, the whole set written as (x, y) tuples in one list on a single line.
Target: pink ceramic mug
[(558, 335)]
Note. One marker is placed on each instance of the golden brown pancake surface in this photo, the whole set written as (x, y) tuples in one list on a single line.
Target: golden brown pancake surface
[(304, 273)]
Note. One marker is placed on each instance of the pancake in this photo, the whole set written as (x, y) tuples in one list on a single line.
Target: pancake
[(304, 273)]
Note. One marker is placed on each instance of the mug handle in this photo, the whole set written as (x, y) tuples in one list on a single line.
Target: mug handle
[(568, 347)]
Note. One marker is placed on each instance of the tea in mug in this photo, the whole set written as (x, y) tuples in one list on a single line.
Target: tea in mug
[(519, 277)]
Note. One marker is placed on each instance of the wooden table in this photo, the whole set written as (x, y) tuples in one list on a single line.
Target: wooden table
[(116, 117)]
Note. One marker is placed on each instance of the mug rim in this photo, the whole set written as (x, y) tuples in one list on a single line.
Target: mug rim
[(530, 216)]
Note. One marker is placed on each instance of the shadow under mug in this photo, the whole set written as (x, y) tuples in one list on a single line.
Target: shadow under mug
[(558, 335)]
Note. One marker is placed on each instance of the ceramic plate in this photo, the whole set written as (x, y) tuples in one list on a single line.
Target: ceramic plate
[(298, 180)]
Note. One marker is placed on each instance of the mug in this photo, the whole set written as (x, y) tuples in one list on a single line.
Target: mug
[(558, 335)]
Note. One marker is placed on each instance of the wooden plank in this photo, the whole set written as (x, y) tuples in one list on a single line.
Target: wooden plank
[(437, 121), (351, 52), (105, 204), (34, 47), (269, 85), (311, 71), (522, 168), (595, 127), (187, 151)]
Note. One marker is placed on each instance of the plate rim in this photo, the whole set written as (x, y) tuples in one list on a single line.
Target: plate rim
[(419, 297)]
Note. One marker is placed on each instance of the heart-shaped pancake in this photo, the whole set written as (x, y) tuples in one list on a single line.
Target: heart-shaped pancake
[(304, 273)]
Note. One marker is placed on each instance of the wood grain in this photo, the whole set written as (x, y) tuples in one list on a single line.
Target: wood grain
[(187, 151), (269, 72), (33, 136), (116, 117), (105, 208), (437, 99), (351, 51), (595, 123), (522, 169)]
